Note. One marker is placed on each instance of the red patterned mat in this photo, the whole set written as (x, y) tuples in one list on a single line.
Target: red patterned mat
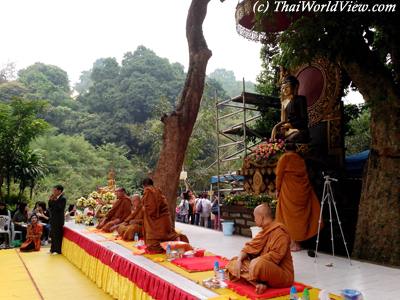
[(248, 290), (200, 264)]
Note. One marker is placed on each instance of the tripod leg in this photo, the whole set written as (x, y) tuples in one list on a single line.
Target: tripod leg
[(340, 225), (330, 217), (319, 221)]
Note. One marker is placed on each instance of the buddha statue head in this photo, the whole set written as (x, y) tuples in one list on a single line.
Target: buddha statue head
[(289, 87)]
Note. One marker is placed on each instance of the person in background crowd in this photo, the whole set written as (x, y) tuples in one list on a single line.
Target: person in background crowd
[(20, 219), (3, 210), (204, 210), (34, 233), (4, 237), (196, 211), (44, 218), (71, 212), (192, 207), (184, 207), (215, 211), (57, 203)]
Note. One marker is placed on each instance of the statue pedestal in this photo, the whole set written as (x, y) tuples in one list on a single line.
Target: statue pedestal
[(259, 177)]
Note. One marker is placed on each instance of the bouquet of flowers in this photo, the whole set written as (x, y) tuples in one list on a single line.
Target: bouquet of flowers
[(90, 202), (108, 197), (267, 152), (95, 195), (81, 202), (88, 220), (79, 219), (105, 208)]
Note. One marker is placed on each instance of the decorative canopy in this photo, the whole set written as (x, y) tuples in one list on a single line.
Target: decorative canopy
[(246, 23)]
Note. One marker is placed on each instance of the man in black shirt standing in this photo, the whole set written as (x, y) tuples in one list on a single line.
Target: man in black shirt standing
[(57, 202)]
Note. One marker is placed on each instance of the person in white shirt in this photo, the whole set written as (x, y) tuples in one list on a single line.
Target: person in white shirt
[(204, 210)]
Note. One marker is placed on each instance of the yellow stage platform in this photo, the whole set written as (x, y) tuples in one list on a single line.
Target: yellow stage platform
[(38, 275)]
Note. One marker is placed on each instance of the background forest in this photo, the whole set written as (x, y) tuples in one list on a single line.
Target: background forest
[(54, 133)]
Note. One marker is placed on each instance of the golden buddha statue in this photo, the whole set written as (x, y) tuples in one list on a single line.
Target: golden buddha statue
[(293, 126), (111, 181)]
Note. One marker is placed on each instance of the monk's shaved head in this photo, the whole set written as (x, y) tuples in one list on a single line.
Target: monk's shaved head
[(264, 210), (263, 215)]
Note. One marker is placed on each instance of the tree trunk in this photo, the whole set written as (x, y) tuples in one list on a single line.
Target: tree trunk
[(179, 124), (378, 226)]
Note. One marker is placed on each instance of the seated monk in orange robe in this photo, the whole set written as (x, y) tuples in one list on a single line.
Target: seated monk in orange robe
[(133, 223), (157, 219), (33, 235), (266, 260), (298, 206), (118, 213)]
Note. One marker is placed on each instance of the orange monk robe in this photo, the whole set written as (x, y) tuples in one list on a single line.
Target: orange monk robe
[(132, 224), (119, 212), (33, 235), (157, 220), (269, 260), (298, 206)]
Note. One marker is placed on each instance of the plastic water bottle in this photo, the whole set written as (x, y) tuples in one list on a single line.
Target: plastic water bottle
[(136, 238), (306, 294), (216, 268), (221, 275), (293, 293), (168, 251)]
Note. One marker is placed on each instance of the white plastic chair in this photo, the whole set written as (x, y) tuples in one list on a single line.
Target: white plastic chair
[(5, 226), (15, 232)]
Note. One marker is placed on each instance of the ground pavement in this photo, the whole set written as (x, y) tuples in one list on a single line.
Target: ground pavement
[(374, 281)]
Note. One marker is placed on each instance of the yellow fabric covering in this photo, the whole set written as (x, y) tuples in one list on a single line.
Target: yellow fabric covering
[(54, 276), (105, 278)]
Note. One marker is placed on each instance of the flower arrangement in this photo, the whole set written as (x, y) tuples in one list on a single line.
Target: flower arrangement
[(250, 200), (267, 152), (108, 197), (95, 195), (90, 202), (87, 220), (105, 208), (81, 202)]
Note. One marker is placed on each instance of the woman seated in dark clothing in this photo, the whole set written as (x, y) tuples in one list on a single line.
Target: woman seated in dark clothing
[(20, 219), (34, 233), (43, 215)]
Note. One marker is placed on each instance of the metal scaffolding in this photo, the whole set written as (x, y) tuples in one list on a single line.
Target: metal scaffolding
[(237, 144)]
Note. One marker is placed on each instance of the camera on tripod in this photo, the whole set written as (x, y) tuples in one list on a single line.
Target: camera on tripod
[(327, 176), (327, 196)]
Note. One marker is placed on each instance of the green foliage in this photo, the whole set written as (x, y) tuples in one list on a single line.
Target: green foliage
[(19, 126), (114, 121), (12, 200), (358, 137), (46, 82), (250, 200), (81, 167), (229, 83), (10, 90)]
